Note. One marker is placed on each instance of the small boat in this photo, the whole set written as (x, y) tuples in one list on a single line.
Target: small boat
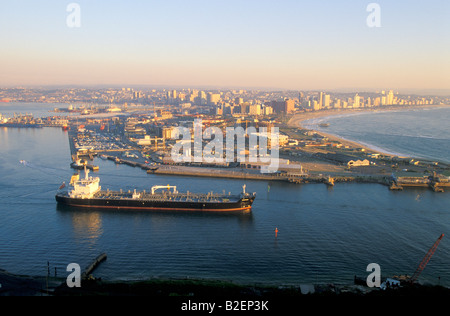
[(78, 164)]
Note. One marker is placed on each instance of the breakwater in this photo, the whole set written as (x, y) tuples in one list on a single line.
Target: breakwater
[(436, 185)]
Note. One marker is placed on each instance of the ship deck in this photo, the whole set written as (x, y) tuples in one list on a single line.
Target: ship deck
[(182, 197)]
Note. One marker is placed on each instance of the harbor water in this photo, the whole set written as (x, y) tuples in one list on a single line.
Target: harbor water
[(325, 235)]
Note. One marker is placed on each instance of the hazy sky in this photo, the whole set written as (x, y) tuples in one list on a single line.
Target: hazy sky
[(286, 44)]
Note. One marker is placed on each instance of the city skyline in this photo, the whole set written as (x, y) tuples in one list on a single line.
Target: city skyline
[(253, 44)]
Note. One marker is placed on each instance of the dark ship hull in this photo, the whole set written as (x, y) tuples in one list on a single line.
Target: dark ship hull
[(21, 125), (123, 201)]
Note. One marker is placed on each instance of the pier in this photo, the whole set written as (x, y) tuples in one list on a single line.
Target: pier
[(134, 164), (434, 182), (77, 155)]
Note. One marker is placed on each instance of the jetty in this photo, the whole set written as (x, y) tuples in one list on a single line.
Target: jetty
[(87, 272), (134, 164)]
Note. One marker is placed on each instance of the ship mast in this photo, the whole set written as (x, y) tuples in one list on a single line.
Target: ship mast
[(86, 172)]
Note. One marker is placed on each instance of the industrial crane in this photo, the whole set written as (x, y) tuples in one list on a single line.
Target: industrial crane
[(425, 260)]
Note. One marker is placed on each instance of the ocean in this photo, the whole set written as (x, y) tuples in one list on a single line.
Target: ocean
[(325, 235), (423, 132)]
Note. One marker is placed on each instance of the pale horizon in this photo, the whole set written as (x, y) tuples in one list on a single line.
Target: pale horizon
[(292, 45)]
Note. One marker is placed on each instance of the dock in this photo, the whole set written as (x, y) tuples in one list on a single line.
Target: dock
[(134, 164), (76, 155), (435, 182), (73, 150), (216, 173), (91, 167)]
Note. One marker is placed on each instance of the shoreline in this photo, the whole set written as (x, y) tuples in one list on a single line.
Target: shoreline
[(298, 119), (23, 285)]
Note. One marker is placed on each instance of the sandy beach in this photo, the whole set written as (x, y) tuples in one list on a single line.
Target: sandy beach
[(299, 118)]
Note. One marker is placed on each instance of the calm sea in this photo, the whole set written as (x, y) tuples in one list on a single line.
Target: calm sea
[(325, 234), (423, 133)]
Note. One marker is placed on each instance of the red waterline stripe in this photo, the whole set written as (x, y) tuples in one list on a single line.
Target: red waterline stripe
[(163, 209)]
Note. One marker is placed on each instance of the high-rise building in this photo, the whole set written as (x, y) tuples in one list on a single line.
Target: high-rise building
[(390, 98), (289, 105), (243, 107), (326, 100), (286, 106), (171, 95), (356, 103), (219, 110), (201, 98), (182, 96), (267, 110), (213, 98), (316, 105), (254, 109), (377, 101)]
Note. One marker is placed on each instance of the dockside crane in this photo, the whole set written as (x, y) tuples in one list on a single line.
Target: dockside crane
[(425, 260)]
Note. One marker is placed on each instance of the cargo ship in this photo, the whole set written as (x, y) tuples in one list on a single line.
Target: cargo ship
[(86, 193), (22, 125)]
